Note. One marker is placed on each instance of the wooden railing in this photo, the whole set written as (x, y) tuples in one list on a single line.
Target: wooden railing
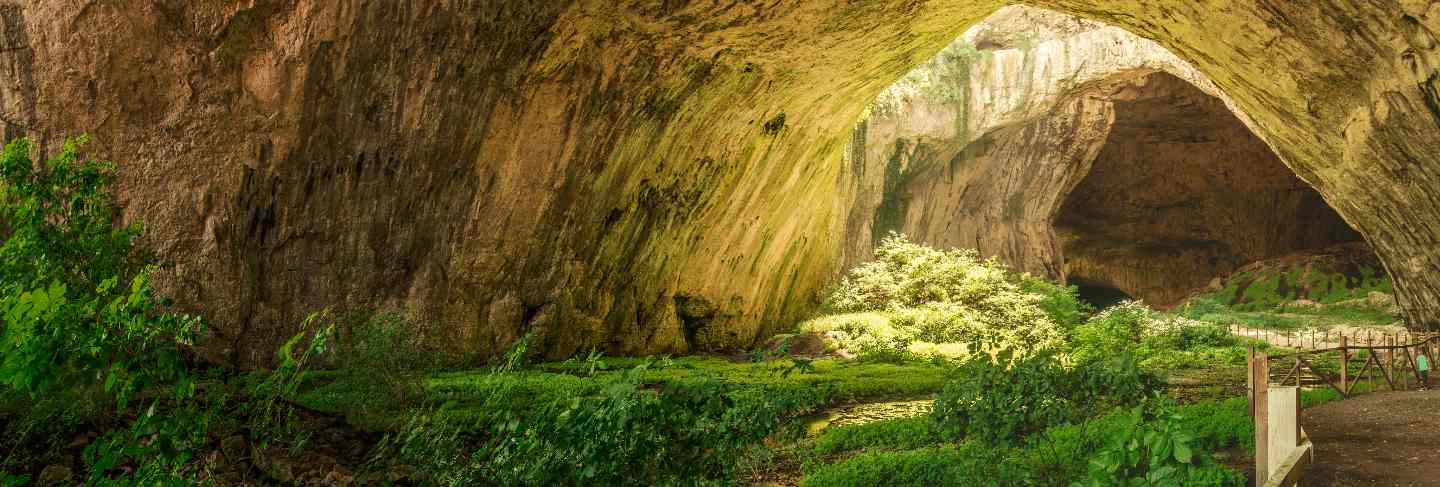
[(1282, 450)]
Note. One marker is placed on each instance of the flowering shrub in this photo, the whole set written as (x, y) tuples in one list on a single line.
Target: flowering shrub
[(951, 296)]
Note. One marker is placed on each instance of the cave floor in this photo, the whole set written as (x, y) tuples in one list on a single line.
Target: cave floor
[(1386, 438)]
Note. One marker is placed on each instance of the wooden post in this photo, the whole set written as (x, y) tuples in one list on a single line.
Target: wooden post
[(1389, 363), (1299, 425), (1344, 367), (1260, 378), (1250, 379)]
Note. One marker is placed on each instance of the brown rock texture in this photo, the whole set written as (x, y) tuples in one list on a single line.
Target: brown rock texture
[(1182, 193), (586, 170), (1181, 190)]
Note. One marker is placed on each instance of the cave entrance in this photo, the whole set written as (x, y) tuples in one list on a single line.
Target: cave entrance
[(1099, 295), (1182, 192), (1078, 151)]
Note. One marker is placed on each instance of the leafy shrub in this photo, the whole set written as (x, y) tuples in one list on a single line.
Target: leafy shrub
[(1116, 330), (893, 434), (1001, 404), (933, 296), (81, 322), (74, 289), (624, 428), (88, 346), (969, 464), (381, 361), (1153, 453), (1216, 425), (1061, 303), (1197, 335)]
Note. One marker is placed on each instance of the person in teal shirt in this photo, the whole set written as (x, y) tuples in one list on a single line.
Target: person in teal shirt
[(1422, 365)]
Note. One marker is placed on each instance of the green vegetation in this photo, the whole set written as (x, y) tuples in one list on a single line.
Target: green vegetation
[(1315, 295), (90, 351), (890, 434), (1095, 452), (1030, 387), (951, 301), (1004, 401)]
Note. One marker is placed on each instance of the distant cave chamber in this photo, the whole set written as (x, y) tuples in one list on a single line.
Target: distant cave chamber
[(1099, 295), (1181, 193), (1140, 187)]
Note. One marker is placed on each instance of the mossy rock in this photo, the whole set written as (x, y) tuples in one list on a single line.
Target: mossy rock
[(1331, 275)]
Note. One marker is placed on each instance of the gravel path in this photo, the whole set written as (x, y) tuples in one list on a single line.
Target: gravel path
[(1384, 438)]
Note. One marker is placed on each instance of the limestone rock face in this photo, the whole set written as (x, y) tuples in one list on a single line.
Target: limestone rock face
[(586, 163), (1181, 191)]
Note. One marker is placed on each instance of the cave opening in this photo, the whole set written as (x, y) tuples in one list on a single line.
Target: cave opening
[(1078, 151), (1182, 192), (1099, 295)]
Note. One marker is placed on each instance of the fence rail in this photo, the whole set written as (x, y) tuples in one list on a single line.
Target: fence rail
[(1282, 450)]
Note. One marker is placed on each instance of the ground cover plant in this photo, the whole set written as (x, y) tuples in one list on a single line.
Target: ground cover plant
[(1060, 394), (98, 384)]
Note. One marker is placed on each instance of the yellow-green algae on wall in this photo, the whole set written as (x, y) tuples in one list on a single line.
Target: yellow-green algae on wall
[(611, 173)]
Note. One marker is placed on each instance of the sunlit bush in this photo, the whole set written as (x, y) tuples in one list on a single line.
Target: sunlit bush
[(932, 296)]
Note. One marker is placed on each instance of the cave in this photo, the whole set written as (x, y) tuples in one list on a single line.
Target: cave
[(1083, 153), (597, 169), (1099, 295), (1181, 193)]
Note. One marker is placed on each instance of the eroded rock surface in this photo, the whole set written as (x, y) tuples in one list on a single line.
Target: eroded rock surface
[(1181, 193), (585, 163), (981, 147)]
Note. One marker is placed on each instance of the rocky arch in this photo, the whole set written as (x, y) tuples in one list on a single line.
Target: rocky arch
[(1180, 193), (573, 167), (1078, 151)]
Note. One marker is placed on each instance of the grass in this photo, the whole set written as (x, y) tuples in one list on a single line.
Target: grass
[(889, 434), (904, 452), (480, 395)]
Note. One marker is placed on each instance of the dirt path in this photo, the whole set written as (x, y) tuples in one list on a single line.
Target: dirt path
[(1385, 438)]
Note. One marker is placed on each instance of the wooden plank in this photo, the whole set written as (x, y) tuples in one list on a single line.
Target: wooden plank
[(1290, 472), (1323, 375), (1250, 380), (1260, 379), (1344, 367), (1369, 358), (1293, 372), (1414, 367), (1387, 368)]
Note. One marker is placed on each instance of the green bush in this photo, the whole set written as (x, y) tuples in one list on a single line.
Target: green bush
[(933, 296), (889, 434), (1116, 330), (380, 361), (969, 464), (74, 289), (1216, 425), (1061, 303), (1003, 401), (1119, 448), (1154, 453), (87, 346), (633, 435), (687, 420), (81, 323)]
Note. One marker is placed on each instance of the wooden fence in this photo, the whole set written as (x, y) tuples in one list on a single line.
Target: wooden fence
[(1282, 451)]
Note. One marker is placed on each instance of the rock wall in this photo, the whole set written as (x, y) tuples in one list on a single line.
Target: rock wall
[(635, 175), (1182, 191), (991, 115)]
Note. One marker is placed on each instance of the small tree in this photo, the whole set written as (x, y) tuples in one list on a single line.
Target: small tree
[(75, 297)]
